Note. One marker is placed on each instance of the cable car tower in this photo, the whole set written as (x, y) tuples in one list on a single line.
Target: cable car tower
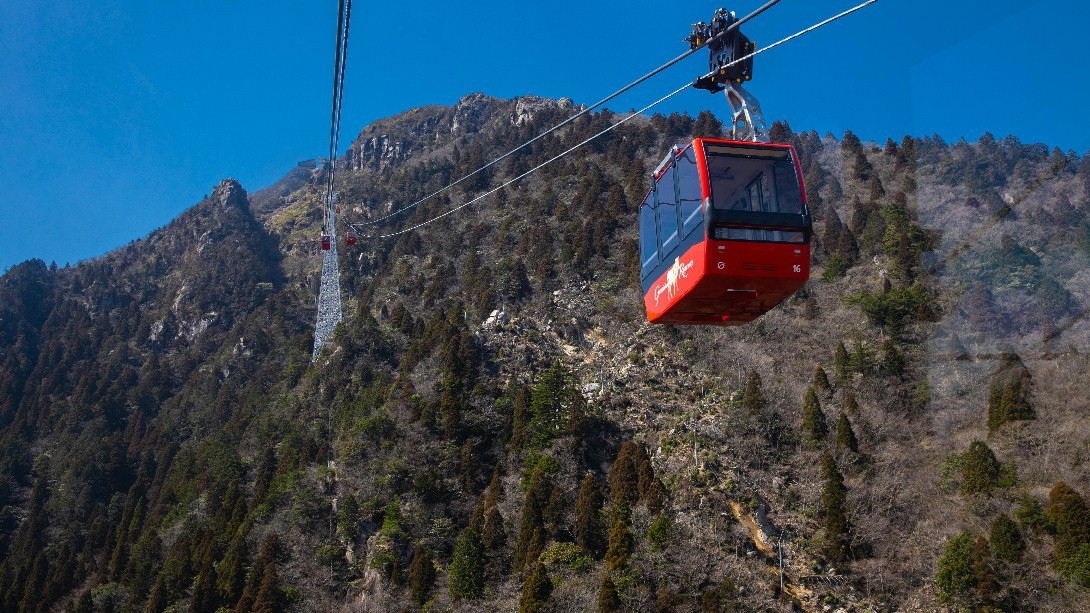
[(329, 292)]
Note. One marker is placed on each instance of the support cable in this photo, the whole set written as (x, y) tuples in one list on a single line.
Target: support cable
[(610, 128), (734, 26)]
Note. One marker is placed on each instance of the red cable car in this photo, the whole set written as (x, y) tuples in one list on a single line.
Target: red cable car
[(724, 232), (350, 238), (326, 241)]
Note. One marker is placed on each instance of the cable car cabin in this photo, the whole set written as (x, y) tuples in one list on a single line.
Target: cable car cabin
[(724, 232), (326, 240), (350, 238)]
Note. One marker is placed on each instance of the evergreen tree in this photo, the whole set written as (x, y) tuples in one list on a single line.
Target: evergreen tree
[(1006, 539), (609, 601), (421, 575), (813, 419), (892, 362), (833, 500), (841, 362), (620, 541), (270, 598), (780, 132), (588, 523), (467, 567), (536, 590), (1008, 393), (845, 436), (520, 418), (956, 575), (820, 380), (532, 525), (1071, 518), (623, 476), (851, 407), (753, 399), (707, 125), (981, 472)]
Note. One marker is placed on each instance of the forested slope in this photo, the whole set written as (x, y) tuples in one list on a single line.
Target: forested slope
[(496, 427)]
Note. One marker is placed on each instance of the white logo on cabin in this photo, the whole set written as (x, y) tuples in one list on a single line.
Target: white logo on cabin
[(676, 271)]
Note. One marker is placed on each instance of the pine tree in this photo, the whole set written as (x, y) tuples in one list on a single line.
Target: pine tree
[(623, 478), (270, 598), (588, 523), (620, 541), (833, 499), (421, 575), (536, 590), (813, 419), (851, 407), (981, 472), (845, 436), (841, 362), (533, 519), (1071, 517), (1008, 393), (1006, 539), (753, 399), (609, 601), (892, 362), (820, 380), (707, 125), (467, 567), (520, 420), (956, 576)]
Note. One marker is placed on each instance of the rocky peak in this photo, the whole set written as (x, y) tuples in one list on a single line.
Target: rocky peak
[(229, 194), (527, 107), (472, 112)]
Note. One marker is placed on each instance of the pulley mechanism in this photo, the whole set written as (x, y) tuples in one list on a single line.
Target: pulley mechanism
[(725, 45), (727, 69)]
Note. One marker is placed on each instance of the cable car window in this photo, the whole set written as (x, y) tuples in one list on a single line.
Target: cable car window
[(688, 178), (649, 247), (761, 198), (787, 188), (666, 208), (753, 179), (756, 234)]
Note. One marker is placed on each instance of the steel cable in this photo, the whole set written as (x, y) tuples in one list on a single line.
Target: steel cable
[(734, 26), (610, 128)]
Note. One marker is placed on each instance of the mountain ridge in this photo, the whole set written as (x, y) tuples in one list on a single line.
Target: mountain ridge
[(168, 443)]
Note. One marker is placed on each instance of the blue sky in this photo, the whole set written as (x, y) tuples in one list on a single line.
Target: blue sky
[(117, 115)]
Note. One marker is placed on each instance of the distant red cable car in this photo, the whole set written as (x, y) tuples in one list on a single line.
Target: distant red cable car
[(326, 241), (350, 238), (724, 232)]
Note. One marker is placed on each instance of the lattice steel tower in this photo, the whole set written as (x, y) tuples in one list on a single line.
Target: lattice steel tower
[(329, 294)]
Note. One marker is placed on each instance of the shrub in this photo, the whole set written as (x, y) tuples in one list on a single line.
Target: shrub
[(1006, 539), (956, 574), (1071, 517), (658, 532), (981, 471)]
